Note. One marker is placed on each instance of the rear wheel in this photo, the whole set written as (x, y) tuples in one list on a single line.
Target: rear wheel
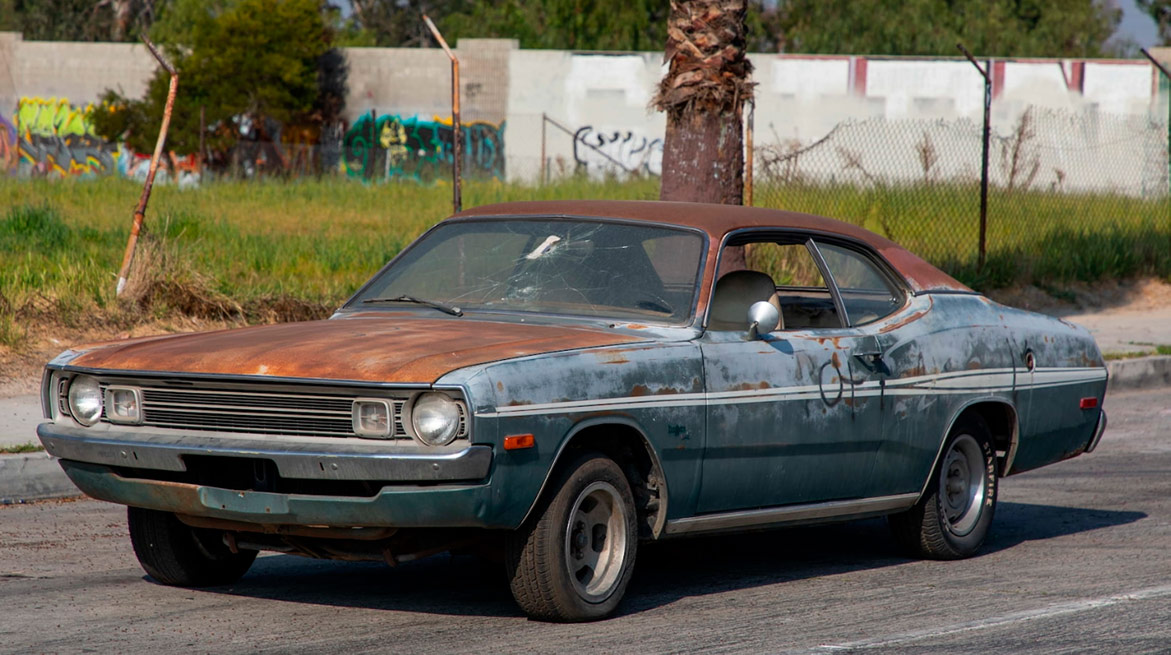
[(573, 561), (952, 519), (176, 554)]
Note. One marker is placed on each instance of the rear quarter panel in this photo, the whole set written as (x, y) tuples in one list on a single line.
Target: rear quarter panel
[(1068, 368), (943, 354)]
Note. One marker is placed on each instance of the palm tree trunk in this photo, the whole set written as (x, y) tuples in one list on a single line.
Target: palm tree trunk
[(703, 94)]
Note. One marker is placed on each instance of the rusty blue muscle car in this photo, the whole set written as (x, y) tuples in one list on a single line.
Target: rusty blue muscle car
[(568, 379)]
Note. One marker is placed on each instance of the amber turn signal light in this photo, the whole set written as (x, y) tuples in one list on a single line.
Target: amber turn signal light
[(519, 441)]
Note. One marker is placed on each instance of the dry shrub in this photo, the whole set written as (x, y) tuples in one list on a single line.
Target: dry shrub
[(161, 281), (281, 309)]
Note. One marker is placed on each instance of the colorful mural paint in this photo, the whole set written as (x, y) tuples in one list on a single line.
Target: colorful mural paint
[(8, 146), (393, 146), (54, 137)]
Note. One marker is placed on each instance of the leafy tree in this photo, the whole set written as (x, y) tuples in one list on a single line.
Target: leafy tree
[(1160, 10), (254, 65), (1039, 28), (566, 24), (8, 19), (77, 20), (396, 23)]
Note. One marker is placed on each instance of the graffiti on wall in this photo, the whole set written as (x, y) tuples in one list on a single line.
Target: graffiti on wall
[(600, 152), (56, 137), (8, 146), (416, 148)]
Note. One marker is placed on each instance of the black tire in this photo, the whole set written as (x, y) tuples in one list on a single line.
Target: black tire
[(176, 554), (573, 559), (952, 519)]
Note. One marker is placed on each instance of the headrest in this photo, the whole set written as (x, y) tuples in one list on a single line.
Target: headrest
[(735, 293)]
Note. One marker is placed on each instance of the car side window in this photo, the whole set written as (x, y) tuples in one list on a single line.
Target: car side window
[(798, 289), (802, 293), (867, 295)]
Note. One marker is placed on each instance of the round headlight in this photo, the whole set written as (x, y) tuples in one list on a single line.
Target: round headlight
[(85, 400), (435, 418)]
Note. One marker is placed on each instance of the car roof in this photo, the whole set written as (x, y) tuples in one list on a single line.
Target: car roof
[(720, 220)]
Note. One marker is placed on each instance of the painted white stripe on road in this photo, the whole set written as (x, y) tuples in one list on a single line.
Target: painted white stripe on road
[(1057, 609)]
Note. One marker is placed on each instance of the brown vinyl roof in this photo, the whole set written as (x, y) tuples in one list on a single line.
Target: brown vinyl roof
[(719, 220)]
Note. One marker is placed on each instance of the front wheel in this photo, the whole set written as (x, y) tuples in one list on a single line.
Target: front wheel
[(953, 517), (176, 554), (573, 561)]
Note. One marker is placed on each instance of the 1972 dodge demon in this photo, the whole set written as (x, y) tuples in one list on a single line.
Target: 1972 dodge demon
[(574, 378)]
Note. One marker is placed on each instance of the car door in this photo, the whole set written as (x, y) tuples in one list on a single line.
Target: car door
[(786, 421)]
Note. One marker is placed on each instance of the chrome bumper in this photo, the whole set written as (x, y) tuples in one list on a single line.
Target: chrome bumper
[(333, 459)]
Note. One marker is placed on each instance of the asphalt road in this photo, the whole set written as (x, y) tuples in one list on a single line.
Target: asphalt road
[(1079, 562)]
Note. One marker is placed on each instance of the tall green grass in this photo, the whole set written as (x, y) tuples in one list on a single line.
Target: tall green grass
[(61, 242), (1031, 236), (314, 240)]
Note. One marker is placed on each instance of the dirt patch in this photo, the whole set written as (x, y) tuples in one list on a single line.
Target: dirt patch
[(21, 368), (1124, 296)]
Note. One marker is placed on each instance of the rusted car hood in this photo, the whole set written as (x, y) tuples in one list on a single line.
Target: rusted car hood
[(367, 349)]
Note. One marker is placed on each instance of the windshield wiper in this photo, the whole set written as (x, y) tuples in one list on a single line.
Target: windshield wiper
[(447, 309)]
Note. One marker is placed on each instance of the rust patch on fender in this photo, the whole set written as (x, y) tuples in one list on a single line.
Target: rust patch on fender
[(910, 319), (748, 386)]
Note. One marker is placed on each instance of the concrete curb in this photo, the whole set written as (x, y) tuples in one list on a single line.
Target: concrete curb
[(1139, 373), (33, 476)]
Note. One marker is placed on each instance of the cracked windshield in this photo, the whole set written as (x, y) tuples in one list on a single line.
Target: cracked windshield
[(582, 268)]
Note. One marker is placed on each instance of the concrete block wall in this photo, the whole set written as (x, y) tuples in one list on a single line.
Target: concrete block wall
[(603, 99)]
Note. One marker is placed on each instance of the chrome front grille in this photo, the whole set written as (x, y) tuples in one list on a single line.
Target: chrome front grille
[(255, 408), (252, 411)]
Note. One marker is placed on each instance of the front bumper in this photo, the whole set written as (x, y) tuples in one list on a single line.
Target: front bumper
[(323, 459), (400, 507), (413, 489)]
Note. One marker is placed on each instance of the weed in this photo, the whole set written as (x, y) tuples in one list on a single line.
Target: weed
[(21, 448), (12, 334)]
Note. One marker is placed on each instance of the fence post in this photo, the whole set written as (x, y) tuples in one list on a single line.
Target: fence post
[(544, 166), (984, 156), (202, 139), (1163, 69), (456, 137), (140, 210), (748, 154), (369, 172)]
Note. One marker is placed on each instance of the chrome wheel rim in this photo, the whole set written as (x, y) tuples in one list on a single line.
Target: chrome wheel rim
[(961, 485), (595, 541)]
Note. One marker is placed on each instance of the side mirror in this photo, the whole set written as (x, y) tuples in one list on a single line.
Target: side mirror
[(762, 314)]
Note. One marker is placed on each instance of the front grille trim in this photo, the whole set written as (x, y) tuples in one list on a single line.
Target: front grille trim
[(259, 408)]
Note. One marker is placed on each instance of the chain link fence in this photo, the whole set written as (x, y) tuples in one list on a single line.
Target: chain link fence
[(1071, 195)]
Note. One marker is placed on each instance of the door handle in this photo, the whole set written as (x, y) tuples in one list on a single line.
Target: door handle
[(869, 356)]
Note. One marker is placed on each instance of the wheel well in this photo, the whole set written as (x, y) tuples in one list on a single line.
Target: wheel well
[(626, 445), (1001, 420)]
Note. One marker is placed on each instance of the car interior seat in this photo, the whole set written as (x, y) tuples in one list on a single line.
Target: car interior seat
[(735, 293)]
